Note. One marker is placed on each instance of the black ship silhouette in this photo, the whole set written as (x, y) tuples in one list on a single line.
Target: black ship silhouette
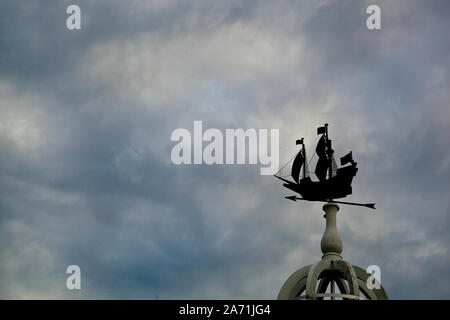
[(334, 182)]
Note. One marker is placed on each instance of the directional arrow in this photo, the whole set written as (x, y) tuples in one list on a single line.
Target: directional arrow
[(368, 205), (293, 198)]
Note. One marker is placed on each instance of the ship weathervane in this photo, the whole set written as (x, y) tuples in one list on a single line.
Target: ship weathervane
[(334, 182)]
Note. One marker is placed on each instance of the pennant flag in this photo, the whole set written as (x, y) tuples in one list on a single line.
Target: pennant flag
[(320, 130), (347, 158)]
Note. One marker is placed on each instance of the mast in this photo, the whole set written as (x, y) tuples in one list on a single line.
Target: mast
[(304, 161), (303, 151), (322, 163), (325, 153), (329, 152)]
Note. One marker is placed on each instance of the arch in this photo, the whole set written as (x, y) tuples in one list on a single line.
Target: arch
[(313, 275), (351, 281), (349, 274), (294, 285)]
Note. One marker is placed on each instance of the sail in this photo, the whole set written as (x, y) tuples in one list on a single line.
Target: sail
[(320, 149), (322, 163), (297, 165), (321, 168)]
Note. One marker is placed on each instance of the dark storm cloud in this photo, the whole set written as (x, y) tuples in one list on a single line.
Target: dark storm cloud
[(86, 176)]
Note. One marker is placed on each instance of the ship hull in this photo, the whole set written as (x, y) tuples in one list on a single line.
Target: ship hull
[(336, 187)]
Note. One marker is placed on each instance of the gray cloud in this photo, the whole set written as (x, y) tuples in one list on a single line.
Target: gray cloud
[(86, 118)]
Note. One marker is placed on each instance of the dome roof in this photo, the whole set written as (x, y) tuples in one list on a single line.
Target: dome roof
[(313, 281)]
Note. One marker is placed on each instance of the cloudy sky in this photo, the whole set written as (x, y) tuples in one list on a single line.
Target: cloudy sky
[(86, 118)]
